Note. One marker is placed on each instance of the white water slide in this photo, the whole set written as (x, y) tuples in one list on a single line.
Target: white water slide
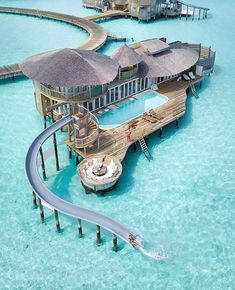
[(53, 201)]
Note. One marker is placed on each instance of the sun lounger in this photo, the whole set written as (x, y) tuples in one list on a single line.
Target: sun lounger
[(179, 78), (192, 76), (186, 77)]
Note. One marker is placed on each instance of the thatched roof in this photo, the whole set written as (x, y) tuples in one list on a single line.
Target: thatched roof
[(126, 56), (154, 46), (121, 2), (168, 63), (70, 67)]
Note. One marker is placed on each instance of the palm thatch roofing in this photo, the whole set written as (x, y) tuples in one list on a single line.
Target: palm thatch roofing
[(168, 63), (121, 2), (70, 67), (126, 56), (154, 46)]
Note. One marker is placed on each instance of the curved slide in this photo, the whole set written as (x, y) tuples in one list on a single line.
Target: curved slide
[(59, 204)]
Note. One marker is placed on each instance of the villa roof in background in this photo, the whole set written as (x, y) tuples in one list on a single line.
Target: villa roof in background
[(121, 2), (70, 67), (126, 56), (154, 46)]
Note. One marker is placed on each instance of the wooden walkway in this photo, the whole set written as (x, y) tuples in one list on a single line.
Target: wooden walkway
[(194, 11), (114, 141), (10, 71), (107, 14), (97, 35)]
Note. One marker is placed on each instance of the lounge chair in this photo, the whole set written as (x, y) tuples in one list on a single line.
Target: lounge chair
[(179, 78), (186, 77), (192, 76)]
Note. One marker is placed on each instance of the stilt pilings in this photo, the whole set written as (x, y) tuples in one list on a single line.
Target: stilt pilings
[(115, 247), (80, 235), (98, 235), (57, 222), (34, 199), (43, 164), (41, 210), (55, 145)]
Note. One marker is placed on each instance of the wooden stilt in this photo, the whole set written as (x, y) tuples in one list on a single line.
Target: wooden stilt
[(200, 84), (45, 120), (56, 152), (80, 235), (77, 159), (70, 153), (43, 164), (187, 13), (57, 220), (34, 199), (134, 147), (199, 15), (160, 132), (177, 123), (115, 247), (98, 235), (41, 210), (55, 145)]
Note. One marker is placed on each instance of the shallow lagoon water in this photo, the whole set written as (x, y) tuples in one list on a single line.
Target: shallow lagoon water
[(182, 201)]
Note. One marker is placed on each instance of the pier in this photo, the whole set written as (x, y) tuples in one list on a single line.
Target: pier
[(10, 71), (194, 11), (107, 14)]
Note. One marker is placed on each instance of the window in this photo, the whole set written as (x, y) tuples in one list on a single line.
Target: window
[(146, 83), (97, 103), (134, 86), (116, 94), (122, 91), (112, 95), (90, 106), (101, 101), (130, 88), (108, 98), (126, 90)]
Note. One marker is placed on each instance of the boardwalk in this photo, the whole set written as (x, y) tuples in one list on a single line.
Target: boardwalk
[(114, 141), (10, 71), (97, 35), (107, 14)]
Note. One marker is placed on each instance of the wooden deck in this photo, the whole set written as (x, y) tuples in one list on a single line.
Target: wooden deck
[(114, 141)]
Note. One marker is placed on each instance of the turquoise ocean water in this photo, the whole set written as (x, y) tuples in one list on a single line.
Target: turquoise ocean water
[(182, 202)]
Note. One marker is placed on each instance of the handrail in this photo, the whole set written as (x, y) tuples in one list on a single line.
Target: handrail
[(193, 6), (56, 202)]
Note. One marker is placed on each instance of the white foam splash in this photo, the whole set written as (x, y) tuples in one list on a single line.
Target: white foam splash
[(159, 254)]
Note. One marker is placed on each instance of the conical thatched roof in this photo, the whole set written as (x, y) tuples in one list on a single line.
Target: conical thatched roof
[(70, 67), (126, 56)]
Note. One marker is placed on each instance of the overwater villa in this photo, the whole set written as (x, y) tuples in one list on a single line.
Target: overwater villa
[(148, 9), (115, 101)]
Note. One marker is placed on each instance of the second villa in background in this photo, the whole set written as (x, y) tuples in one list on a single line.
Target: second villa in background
[(148, 9)]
